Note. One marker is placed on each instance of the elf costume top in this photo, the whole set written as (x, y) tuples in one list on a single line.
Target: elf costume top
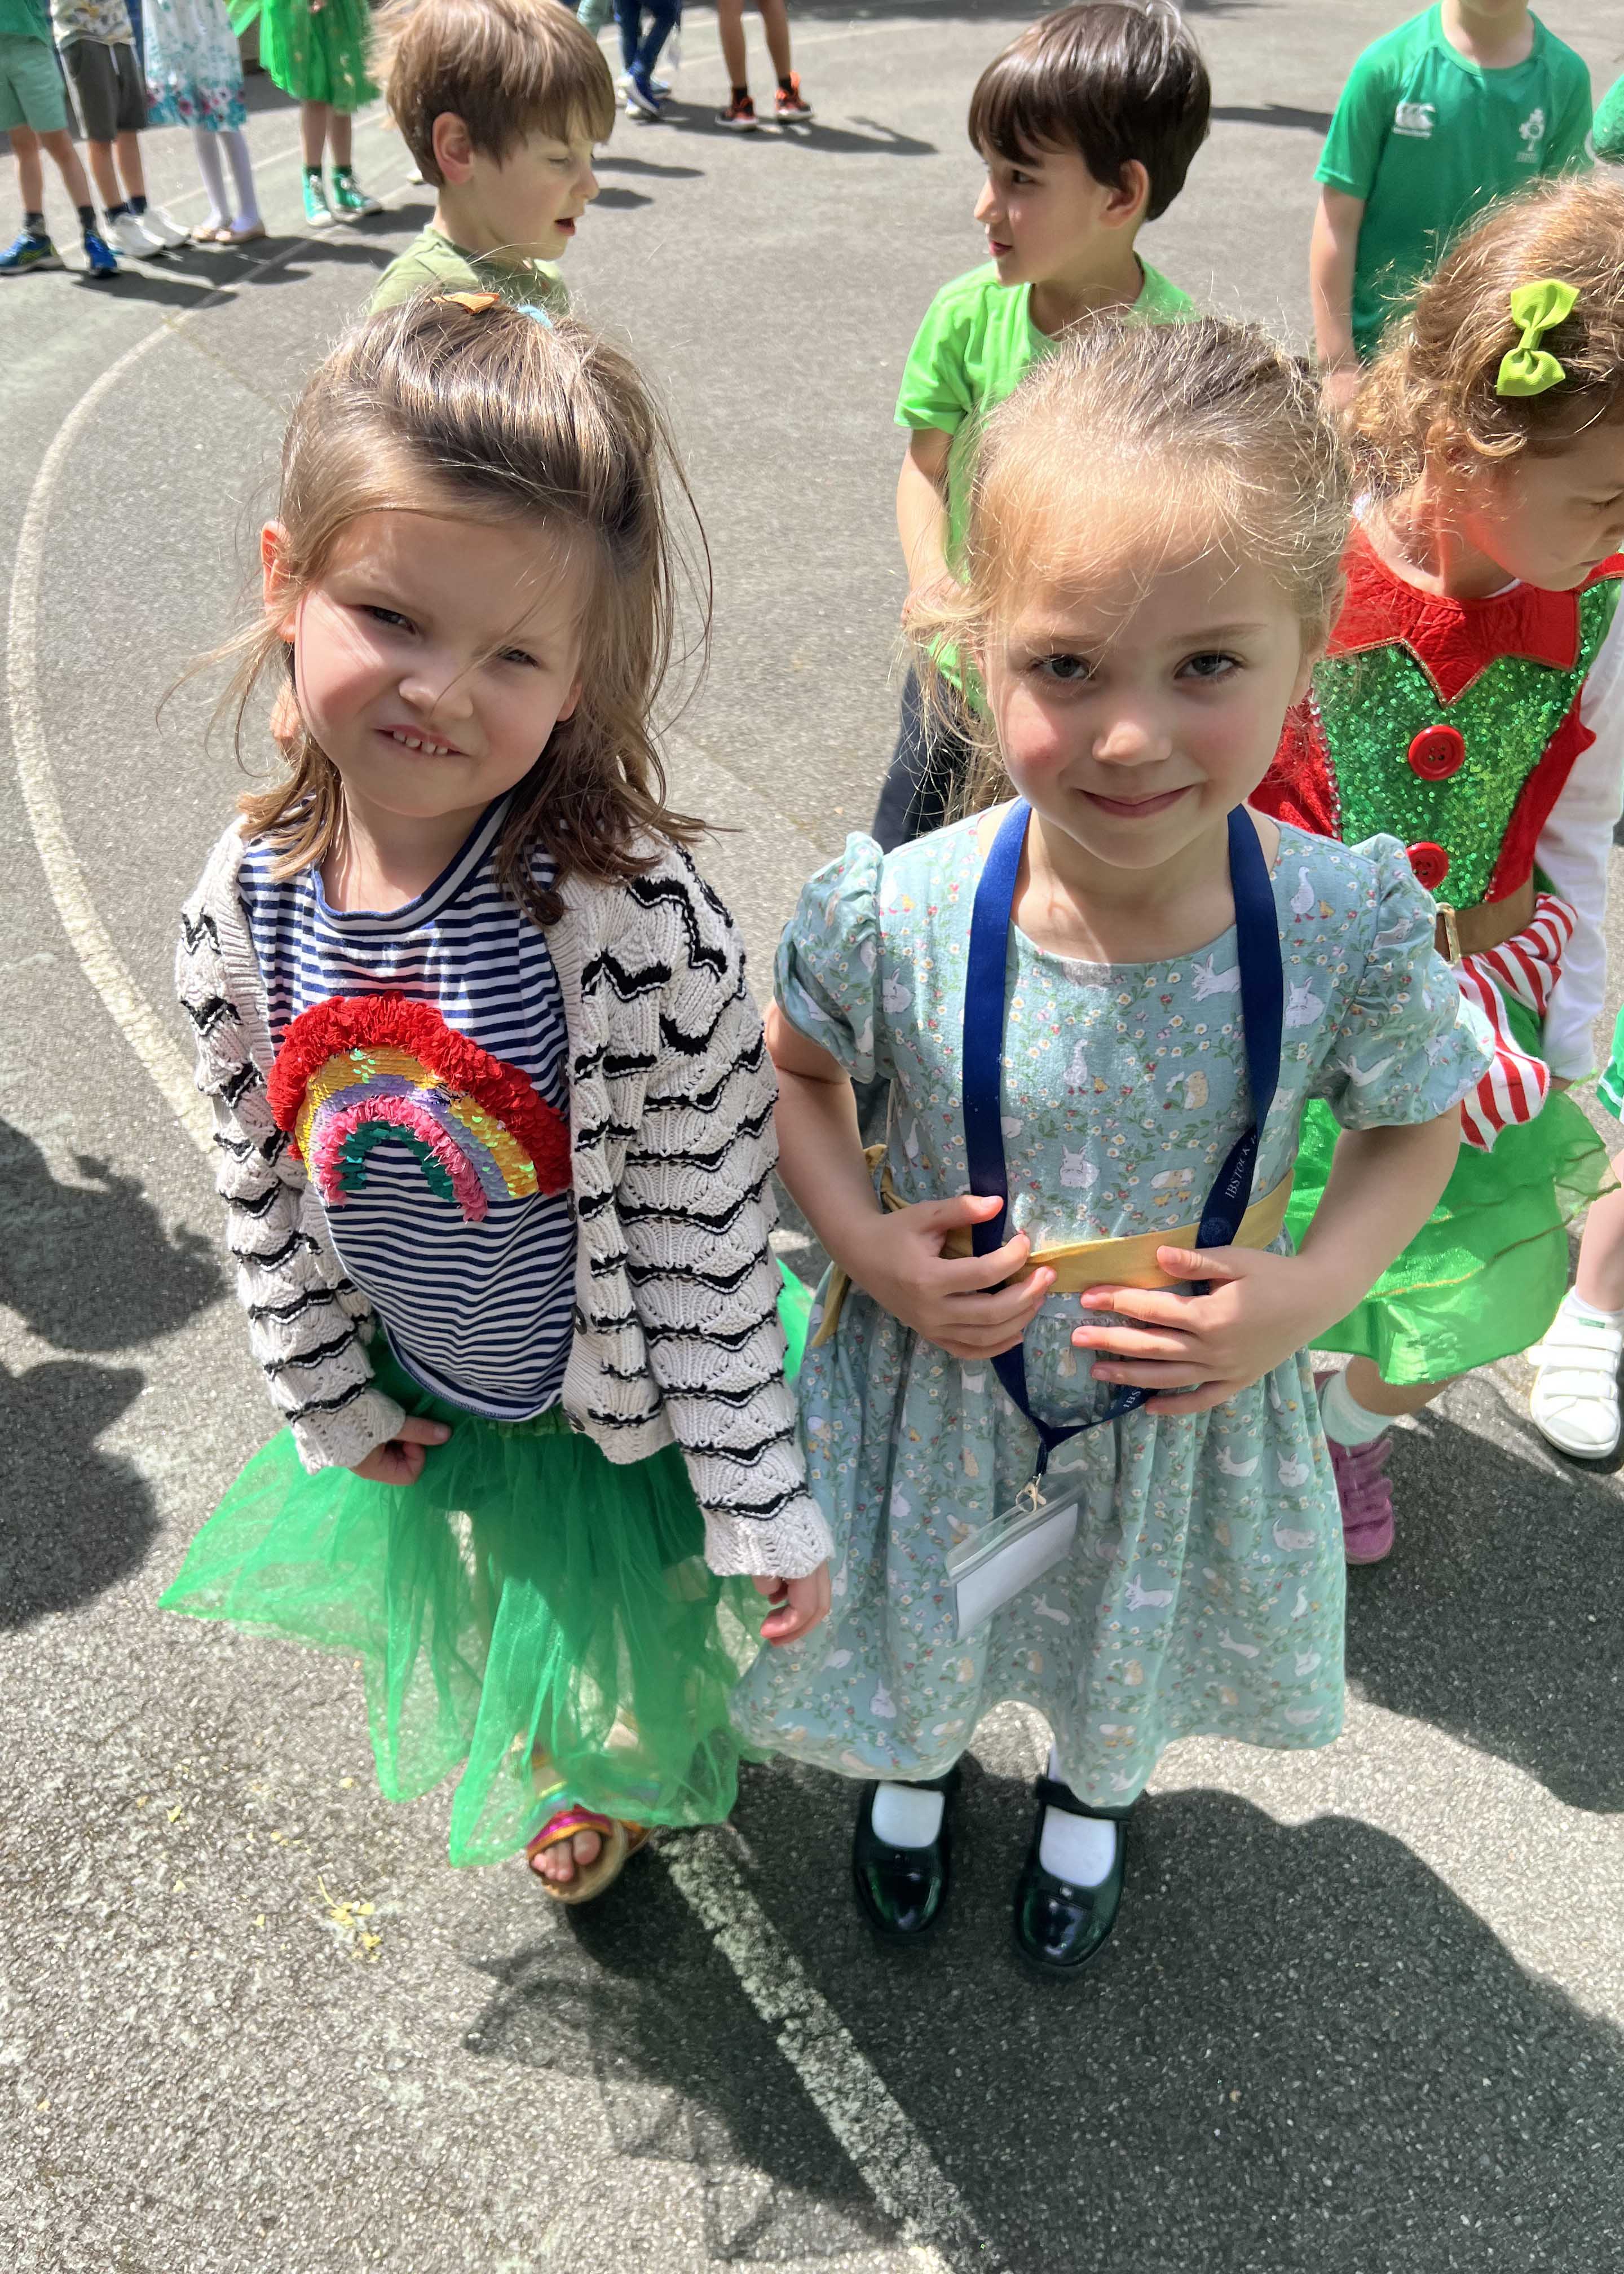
[(1488, 735)]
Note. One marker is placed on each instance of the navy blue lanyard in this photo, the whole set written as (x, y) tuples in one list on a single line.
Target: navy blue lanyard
[(1257, 931)]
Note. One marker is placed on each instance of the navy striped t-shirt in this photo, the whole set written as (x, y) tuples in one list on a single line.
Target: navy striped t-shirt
[(478, 1310)]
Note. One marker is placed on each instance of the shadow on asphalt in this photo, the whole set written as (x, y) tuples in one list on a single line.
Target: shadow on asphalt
[(1498, 1615), (830, 141), (73, 1520), (1300, 2052), (89, 1267)]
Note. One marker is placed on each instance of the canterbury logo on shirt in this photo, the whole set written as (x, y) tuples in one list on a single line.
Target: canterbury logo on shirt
[(1415, 118), (1533, 133)]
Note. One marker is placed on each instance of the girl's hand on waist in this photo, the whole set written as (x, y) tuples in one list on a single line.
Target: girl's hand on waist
[(957, 1302), (400, 1461), (798, 1605), (1197, 1351)]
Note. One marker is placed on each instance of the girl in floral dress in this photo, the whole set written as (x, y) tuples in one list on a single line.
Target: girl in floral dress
[(194, 78), (1153, 565)]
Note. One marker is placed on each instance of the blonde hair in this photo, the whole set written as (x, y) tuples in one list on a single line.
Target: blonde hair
[(1208, 426), (1431, 395), (506, 68), (432, 408)]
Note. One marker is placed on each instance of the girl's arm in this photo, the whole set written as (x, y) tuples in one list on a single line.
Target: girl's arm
[(306, 1321), (961, 1305), (1200, 1350)]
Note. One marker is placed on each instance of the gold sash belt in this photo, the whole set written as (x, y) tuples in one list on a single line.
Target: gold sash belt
[(1130, 1262)]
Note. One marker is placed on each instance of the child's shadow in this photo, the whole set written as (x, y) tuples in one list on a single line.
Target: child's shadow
[(90, 1266), (1499, 1614), (1301, 2052), (73, 1520)]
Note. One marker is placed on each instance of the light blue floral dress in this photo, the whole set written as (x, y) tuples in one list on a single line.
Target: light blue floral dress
[(1204, 1595), (194, 74)]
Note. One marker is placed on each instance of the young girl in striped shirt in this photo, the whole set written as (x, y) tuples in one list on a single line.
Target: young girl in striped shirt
[(493, 1114)]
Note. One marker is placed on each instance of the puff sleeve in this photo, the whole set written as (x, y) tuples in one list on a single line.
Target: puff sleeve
[(827, 976), (1408, 1045)]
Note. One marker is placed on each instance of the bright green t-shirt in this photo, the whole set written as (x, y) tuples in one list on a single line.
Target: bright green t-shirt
[(24, 19), (1428, 139), (432, 259), (1609, 130), (976, 344)]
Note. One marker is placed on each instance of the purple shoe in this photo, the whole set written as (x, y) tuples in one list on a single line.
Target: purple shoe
[(1365, 1492)]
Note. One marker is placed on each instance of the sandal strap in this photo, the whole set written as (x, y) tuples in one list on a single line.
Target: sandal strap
[(1049, 1793), (565, 1825)]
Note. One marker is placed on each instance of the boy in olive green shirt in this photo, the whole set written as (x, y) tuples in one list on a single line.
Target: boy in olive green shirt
[(1456, 108), (1088, 124), (500, 105)]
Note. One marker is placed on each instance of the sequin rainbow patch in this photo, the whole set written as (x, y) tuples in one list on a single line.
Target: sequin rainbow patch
[(364, 1069)]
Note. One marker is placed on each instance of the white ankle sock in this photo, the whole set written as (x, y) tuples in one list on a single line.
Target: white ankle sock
[(1576, 1308), (1080, 1850), (1345, 1419), (907, 1815)]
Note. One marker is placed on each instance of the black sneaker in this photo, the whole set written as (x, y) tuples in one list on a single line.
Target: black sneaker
[(740, 114)]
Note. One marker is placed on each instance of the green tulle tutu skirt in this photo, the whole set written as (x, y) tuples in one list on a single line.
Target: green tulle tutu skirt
[(525, 1596), (319, 57), (1482, 1277), (1610, 1089)]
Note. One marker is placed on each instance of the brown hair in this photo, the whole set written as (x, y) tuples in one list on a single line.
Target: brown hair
[(1109, 81), (1430, 393), (506, 68), (432, 408), (1208, 426)]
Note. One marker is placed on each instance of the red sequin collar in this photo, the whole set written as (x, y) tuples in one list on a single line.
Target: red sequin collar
[(1453, 641)]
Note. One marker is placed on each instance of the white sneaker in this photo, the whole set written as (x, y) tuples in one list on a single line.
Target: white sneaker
[(129, 236), (1576, 1399), (157, 223)]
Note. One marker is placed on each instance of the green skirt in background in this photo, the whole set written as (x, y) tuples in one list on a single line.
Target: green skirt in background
[(1482, 1277), (526, 1593), (315, 55)]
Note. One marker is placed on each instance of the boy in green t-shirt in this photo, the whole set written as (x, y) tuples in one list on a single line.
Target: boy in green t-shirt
[(1086, 123), (1456, 108), (499, 103)]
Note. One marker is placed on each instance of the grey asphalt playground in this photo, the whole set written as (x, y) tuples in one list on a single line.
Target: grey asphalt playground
[(1364, 2010)]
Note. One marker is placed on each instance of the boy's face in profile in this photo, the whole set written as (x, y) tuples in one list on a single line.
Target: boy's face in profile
[(1047, 218), (526, 204)]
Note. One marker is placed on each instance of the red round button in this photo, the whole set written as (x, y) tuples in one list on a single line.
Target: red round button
[(1438, 752), (1431, 864)]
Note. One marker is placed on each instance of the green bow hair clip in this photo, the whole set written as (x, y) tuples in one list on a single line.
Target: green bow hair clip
[(1527, 369)]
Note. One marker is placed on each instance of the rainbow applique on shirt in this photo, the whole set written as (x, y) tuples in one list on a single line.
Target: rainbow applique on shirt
[(364, 1069)]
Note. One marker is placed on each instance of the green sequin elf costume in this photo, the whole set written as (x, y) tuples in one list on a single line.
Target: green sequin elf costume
[(1484, 734)]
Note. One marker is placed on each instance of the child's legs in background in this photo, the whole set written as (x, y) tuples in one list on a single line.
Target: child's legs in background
[(1576, 1401), (730, 24), (241, 162), (128, 151), (1389, 1399), (929, 767), (774, 23), (104, 173), (313, 130), (662, 17), (30, 171), (65, 158), (594, 14), (341, 137), (629, 23)]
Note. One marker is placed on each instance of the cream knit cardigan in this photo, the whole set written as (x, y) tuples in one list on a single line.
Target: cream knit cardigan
[(671, 1096)]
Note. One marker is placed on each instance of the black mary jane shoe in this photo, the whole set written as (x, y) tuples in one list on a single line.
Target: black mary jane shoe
[(1059, 1927), (902, 1891)]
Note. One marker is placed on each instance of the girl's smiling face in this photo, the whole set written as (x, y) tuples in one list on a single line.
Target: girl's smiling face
[(433, 656), (1134, 711)]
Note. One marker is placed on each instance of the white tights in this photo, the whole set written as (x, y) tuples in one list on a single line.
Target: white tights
[(208, 143)]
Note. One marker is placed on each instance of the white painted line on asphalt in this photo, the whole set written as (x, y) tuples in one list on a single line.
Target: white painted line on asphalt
[(102, 965), (840, 2080)]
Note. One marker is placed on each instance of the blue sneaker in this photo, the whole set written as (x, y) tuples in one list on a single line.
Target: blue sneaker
[(29, 251), (640, 95), (99, 259)]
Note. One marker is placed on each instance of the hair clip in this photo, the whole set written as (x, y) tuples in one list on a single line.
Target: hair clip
[(1527, 369), (477, 303)]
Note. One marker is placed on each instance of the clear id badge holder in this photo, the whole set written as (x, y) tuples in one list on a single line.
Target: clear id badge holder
[(1012, 1552)]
